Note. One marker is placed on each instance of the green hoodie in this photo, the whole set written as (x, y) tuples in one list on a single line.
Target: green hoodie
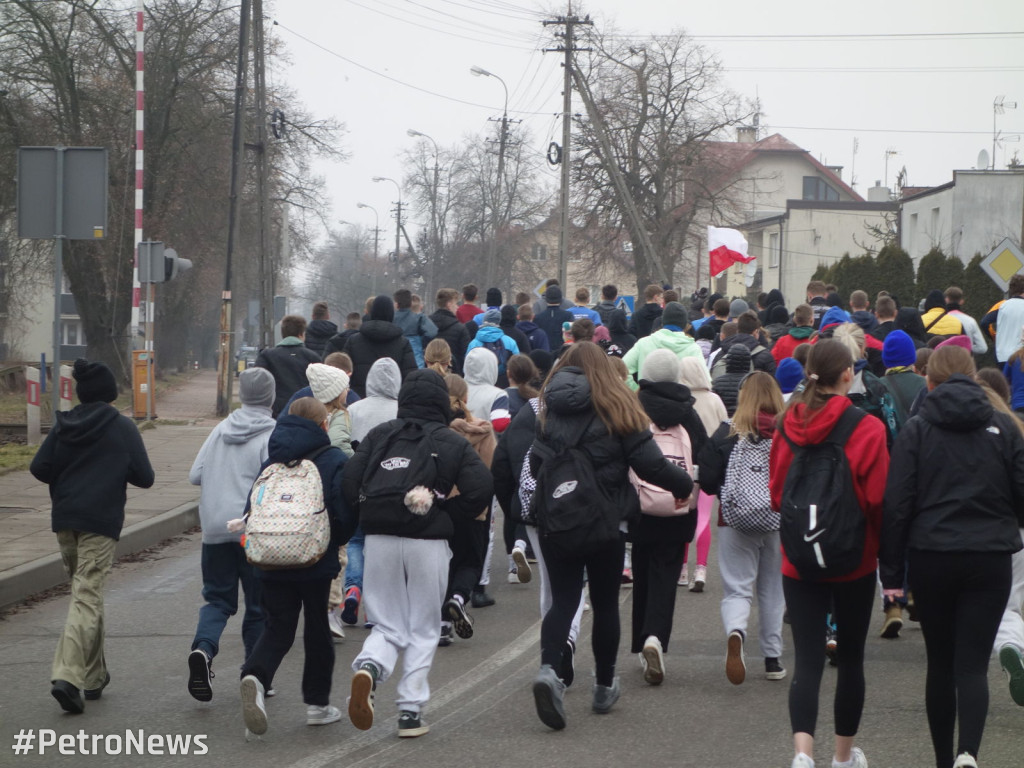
[(801, 332), (678, 342)]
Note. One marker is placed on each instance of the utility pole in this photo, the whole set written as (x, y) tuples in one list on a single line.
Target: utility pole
[(398, 235), (569, 21), (265, 257), (237, 149)]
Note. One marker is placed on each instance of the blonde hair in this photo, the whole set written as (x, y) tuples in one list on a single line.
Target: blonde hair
[(458, 393), (759, 393), (438, 356), (309, 408), (852, 335)]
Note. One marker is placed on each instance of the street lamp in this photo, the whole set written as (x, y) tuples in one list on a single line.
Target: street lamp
[(434, 234), (398, 217), (376, 234), (478, 71)]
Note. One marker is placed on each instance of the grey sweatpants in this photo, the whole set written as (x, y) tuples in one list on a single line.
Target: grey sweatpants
[(1011, 629), (748, 562)]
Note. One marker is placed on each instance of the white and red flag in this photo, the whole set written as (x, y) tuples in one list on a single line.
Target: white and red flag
[(726, 247)]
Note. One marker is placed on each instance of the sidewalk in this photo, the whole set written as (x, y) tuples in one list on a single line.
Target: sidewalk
[(29, 558)]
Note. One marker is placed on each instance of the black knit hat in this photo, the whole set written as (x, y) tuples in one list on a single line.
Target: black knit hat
[(95, 382), (675, 314), (493, 297)]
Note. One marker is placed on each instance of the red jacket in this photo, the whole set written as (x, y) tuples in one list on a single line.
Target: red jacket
[(467, 312), (869, 465), (784, 347)]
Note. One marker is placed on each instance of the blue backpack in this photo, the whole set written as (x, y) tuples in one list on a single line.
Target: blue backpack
[(498, 348)]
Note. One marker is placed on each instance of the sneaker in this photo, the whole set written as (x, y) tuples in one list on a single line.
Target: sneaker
[(1013, 665), (654, 663), (350, 608), (360, 702), (548, 691), (893, 622), (253, 712), (411, 725), (447, 636), (773, 670), (735, 666), (513, 577), (199, 675), (316, 715), (567, 669), (627, 575), (857, 760), (605, 697), (684, 576), (700, 576), (92, 694), (334, 621), (68, 696), (479, 598), (802, 761), (523, 570), (912, 609), (963, 760), (455, 610)]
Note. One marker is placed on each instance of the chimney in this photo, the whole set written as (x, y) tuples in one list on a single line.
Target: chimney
[(746, 134), (836, 169)]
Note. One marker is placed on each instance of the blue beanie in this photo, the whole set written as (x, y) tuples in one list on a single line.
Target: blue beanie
[(789, 373), (898, 349), (834, 316)]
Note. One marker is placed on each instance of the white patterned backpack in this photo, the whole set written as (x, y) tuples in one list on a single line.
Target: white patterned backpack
[(287, 525), (745, 496)]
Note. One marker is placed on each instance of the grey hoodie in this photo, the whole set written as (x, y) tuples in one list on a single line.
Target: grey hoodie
[(383, 382), (485, 401), (230, 461)]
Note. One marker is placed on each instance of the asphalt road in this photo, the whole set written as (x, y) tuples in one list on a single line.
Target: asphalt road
[(481, 713)]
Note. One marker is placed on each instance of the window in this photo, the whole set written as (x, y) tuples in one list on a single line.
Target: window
[(935, 226), (773, 250), (912, 234), (539, 253), (71, 333), (816, 188)]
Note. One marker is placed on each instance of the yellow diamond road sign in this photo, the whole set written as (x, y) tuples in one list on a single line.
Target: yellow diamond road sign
[(1003, 263)]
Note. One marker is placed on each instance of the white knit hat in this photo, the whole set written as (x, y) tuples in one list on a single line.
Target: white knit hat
[(326, 381)]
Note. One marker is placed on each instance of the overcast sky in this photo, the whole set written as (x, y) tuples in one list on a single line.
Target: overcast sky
[(896, 74)]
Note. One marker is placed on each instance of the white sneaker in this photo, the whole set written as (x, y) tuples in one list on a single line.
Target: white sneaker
[(336, 625), (964, 760), (700, 575), (513, 577), (684, 576), (523, 571), (802, 761), (654, 663), (253, 712), (857, 760), (316, 715)]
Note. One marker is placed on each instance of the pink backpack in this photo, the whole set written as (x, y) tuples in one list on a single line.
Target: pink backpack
[(675, 445)]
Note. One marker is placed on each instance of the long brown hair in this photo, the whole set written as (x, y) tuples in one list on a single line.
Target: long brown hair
[(458, 394), (826, 363), (616, 406), (438, 356), (759, 393), (949, 360), (522, 371)]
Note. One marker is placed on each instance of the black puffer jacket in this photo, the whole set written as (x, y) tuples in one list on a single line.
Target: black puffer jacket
[(377, 339), (762, 359), (727, 386), (423, 399), (451, 330), (569, 409), (287, 363), (669, 403), (617, 329), (956, 480), (318, 333), (508, 460), (642, 320)]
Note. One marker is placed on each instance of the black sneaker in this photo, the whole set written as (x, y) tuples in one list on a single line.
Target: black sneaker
[(773, 670), (462, 621), (68, 696), (360, 702), (446, 638), (199, 676), (567, 669), (411, 725), (480, 599), (92, 694)]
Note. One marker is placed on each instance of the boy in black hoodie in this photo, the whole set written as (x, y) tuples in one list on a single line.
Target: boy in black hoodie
[(378, 337), (88, 459)]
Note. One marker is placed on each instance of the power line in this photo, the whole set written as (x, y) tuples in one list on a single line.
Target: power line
[(421, 25), (869, 70), (879, 130), (836, 37)]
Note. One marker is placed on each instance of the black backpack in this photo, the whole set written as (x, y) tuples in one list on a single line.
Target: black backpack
[(405, 458), (823, 528), (500, 351), (574, 514)]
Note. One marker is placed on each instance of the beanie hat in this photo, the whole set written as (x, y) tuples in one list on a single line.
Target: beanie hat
[(660, 365), (256, 387), (493, 297), (778, 314), (492, 317), (95, 382), (383, 308), (956, 341), (737, 307), (326, 381), (553, 295), (543, 360), (934, 299), (834, 316), (509, 314), (675, 314), (898, 349), (789, 373)]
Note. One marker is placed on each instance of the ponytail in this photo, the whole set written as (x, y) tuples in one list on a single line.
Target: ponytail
[(826, 363)]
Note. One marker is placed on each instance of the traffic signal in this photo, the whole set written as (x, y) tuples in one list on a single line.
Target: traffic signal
[(158, 264)]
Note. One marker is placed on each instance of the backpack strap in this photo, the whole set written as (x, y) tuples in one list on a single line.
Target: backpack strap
[(311, 456), (933, 322), (845, 426)]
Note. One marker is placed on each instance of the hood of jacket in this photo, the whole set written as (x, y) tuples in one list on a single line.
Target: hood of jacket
[(443, 319), (384, 379), (85, 423), (865, 319), (527, 326), (737, 359), (380, 331), (801, 332), (739, 339), (958, 404), (490, 333), (424, 398), (804, 432), (478, 433), (666, 402), (617, 323), (694, 374), (774, 298), (245, 423), (481, 366), (676, 341), (295, 437), (568, 392), (321, 329)]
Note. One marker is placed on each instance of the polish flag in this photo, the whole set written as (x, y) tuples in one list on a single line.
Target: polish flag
[(726, 247)]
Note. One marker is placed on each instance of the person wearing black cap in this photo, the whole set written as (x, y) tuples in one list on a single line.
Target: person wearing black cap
[(378, 337), (551, 319), (88, 459)]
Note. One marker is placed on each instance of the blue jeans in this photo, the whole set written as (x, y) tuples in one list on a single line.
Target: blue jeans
[(224, 565), (354, 569)]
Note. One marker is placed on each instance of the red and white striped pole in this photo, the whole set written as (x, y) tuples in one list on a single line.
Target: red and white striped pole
[(139, 115)]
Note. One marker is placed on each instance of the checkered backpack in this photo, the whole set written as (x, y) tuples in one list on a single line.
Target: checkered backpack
[(287, 525), (746, 499)]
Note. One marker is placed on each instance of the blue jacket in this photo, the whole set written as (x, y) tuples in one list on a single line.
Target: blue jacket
[(494, 333), (537, 338), (418, 329), (293, 438), (586, 312), (1015, 376)]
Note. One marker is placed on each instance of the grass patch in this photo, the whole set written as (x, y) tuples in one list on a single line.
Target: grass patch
[(16, 457)]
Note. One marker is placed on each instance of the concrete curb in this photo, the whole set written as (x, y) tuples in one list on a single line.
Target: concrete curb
[(23, 581)]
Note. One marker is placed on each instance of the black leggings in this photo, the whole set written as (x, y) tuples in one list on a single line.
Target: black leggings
[(808, 604), (658, 544), (960, 599), (604, 570), (511, 529)]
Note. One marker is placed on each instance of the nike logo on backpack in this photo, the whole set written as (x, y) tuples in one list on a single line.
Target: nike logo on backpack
[(811, 537)]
